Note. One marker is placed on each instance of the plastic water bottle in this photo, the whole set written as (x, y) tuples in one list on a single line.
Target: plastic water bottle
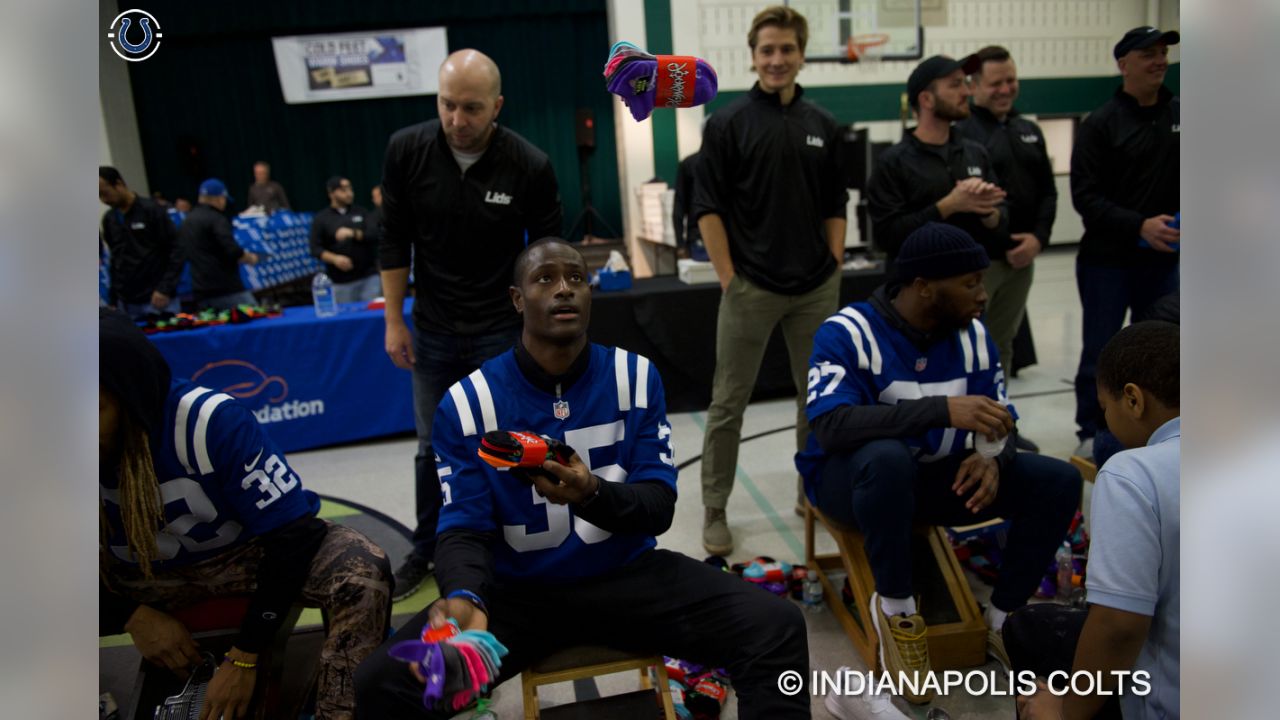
[(812, 593), (322, 295), (1063, 560)]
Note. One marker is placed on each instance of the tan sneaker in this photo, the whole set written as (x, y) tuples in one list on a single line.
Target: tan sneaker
[(995, 648), (716, 537), (903, 649)]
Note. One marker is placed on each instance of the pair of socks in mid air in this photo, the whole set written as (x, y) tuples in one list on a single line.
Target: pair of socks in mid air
[(645, 81)]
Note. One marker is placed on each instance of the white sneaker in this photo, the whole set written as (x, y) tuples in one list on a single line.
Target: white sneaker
[(867, 706)]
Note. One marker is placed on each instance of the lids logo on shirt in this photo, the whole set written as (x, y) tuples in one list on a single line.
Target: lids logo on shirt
[(815, 141), (975, 171), (497, 198), (357, 218), (138, 226), (1029, 138)]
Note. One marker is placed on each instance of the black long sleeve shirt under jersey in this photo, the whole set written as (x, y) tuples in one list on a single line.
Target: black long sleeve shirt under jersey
[(771, 173), (1021, 161), (851, 426), (363, 252), (912, 176), (210, 246), (145, 254), (1124, 169), (464, 229), (464, 560)]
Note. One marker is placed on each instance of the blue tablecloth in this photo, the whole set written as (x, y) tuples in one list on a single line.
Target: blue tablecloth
[(310, 381)]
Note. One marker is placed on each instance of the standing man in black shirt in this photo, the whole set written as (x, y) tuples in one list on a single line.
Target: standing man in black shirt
[(461, 196), (211, 248), (933, 174), (265, 192), (146, 260), (339, 240), (1124, 183), (771, 207), (1021, 161)]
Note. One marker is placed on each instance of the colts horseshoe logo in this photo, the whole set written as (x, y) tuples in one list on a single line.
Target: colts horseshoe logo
[(131, 20)]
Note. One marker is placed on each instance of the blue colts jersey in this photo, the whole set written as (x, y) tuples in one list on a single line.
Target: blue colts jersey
[(616, 423), (860, 359), (221, 478)]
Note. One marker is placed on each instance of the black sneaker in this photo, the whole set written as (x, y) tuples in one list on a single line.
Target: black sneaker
[(410, 576), (1025, 444)]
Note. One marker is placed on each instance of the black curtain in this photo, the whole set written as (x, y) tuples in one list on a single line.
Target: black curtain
[(209, 103)]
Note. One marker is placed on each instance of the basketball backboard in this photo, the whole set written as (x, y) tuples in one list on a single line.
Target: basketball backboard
[(863, 30)]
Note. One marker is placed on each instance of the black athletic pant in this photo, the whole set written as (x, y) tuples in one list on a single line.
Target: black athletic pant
[(662, 603), (881, 489)]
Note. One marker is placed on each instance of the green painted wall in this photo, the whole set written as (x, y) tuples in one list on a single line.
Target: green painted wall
[(666, 156)]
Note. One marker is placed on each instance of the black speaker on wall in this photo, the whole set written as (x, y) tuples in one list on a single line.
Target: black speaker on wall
[(584, 128)]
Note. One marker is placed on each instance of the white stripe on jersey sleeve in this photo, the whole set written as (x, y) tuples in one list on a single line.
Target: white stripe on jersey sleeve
[(623, 379), (877, 362), (967, 346), (201, 438), (487, 414), (980, 340), (642, 381), (465, 418), (855, 337), (180, 426)]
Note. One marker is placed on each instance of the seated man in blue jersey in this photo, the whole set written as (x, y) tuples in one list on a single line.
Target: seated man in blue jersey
[(898, 387), (571, 560), (197, 502)]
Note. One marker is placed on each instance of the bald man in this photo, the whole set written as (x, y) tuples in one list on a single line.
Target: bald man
[(463, 195)]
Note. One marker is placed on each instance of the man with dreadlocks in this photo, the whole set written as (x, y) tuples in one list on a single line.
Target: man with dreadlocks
[(197, 502)]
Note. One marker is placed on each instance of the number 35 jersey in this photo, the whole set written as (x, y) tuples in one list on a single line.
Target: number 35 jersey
[(222, 480), (616, 422)]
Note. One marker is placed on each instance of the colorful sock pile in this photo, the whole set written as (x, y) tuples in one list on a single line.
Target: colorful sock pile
[(646, 81), (697, 692), (778, 577), (459, 666)]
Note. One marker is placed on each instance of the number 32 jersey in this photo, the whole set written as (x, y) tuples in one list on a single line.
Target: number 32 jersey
[(222, 481), (616, 423)]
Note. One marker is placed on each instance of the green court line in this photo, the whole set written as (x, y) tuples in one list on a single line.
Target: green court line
[(765, 506), (330, 510)]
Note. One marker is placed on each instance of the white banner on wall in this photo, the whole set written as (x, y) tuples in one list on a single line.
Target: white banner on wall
[(359, 66)]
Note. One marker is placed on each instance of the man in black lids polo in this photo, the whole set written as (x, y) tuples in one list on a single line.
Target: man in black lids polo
[(1018, 155), (339, 239), (461, 196), (933, 174), (1124, 184), (770, 204)]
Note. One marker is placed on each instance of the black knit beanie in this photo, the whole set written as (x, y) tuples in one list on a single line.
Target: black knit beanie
[(938, 250), (133, 370)]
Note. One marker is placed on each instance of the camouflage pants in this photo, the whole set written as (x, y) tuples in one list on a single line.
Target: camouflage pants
[(350, 579)]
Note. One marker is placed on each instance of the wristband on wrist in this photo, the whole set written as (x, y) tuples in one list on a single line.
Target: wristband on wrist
[(469, 596), (239, 663)]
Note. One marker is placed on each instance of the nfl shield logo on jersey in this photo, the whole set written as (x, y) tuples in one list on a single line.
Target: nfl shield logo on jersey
[(921, 363), (560, 409)]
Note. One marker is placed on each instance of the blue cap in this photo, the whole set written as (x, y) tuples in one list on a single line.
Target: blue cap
[(215, 188)]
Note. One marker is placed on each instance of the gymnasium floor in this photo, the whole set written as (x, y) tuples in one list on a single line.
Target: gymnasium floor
[(379, 475)]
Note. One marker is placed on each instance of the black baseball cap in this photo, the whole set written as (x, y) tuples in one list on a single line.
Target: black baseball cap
[(936, 67), (1144, 37)]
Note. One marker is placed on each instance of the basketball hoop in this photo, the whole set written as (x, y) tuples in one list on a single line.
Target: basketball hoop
[(866, 47)]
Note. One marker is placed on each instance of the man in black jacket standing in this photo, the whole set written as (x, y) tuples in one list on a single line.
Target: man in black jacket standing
[(933, 174), (146, 260), (1124, 184), (461, 196), (340, 239), (1020, 160), (211, 248), (771, 207)]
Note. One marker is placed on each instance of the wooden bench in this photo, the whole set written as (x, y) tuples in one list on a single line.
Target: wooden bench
[(957, 633), (587, 661)]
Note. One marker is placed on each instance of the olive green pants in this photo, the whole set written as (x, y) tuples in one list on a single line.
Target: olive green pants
[(746, 319), (1007, 291)]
